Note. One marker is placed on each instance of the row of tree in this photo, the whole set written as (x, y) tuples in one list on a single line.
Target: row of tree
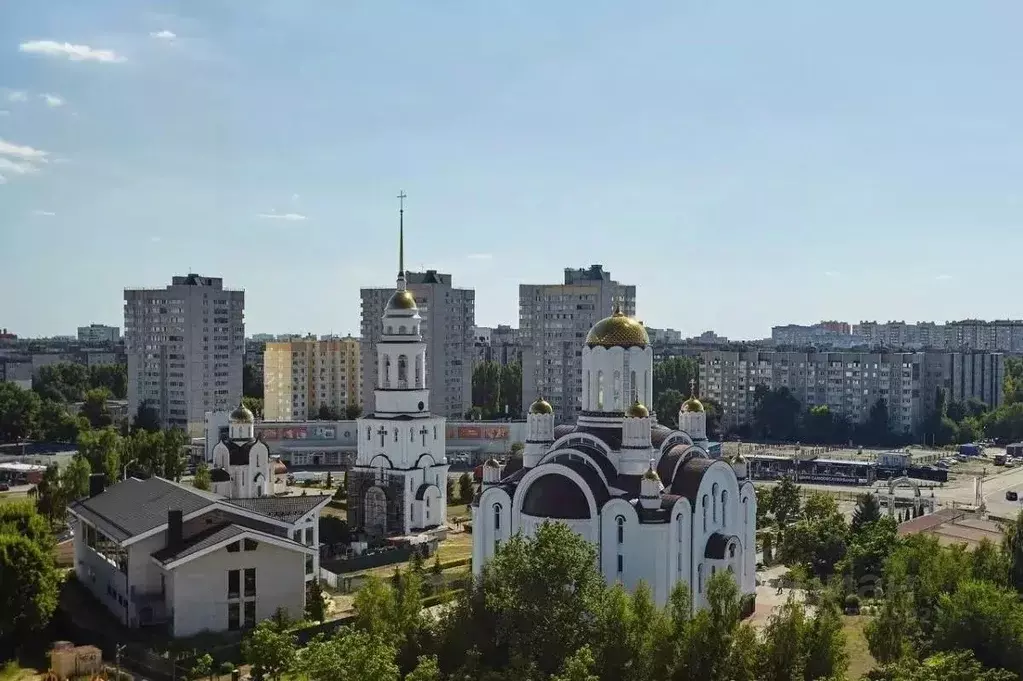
[(542, 611), (496, 391), (29, 580), (69, 382), (25, 415)]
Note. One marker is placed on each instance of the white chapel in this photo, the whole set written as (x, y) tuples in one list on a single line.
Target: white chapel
[(242, 465), (398, 484), (658, 507)]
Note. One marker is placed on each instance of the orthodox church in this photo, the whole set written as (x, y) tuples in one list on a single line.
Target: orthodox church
[(398, 484), (242, 465), (656, 504)]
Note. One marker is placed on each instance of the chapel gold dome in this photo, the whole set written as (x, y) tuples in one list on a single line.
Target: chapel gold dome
[(541, 406), (618, 331), (638, 411), (242, 415), (402, 300), (692, 405)]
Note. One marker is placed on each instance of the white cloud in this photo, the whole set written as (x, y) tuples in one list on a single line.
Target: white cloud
[(52, 48), (23, 152), (831, 274), (44, 213), (163, 35), (481, 256), (16, 167), (155, 239), (17, 96), (943, 277), (290, 217), (52, 100)]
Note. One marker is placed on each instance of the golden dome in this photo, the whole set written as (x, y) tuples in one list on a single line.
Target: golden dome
[(402, 300), (692, 405), (651, 474), (618, 331), (638, 411), (242, 415), (541, 406)]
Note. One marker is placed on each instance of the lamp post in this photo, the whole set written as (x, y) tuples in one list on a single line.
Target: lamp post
[(124, 472)]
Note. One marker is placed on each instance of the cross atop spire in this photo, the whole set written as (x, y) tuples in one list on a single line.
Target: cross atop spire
[(692, 387), (401, 234)]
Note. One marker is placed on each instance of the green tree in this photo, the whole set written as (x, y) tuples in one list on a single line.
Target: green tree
[(22, 519), (173, 449), (50, 499), (959, 665), (326, 413), (94, 408), (353, 411), (486, 388), (56, 424), (270, 648), (350, 655), (252, 382), (681, 374), (465, 488), (819, 424), (255, 405), (393, 614), (146, 418), (74, 479), (28, 590), (1012, 547), (876, 430), (990, 564), (1012, 383), (982, 618), (315, 602), (62, 382), (867, 511), (19, 412), (102, 449), (713, 412), (784, 501), (579, 666), (666, 406), (776, 413), (511, 390), (202, 478), (818, 541), (426, 669), (112, 377), (202, 668)]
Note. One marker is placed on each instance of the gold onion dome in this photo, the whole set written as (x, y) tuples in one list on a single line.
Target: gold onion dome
[(692, 405), (402, 300), (541, 406), (638, 411), (618, 331), (242, 413), (651, 474)]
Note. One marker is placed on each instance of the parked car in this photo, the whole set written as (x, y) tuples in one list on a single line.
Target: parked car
[(1011, 495), (4, 487)]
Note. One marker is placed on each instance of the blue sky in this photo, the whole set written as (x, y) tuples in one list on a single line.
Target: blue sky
[(743, 163)]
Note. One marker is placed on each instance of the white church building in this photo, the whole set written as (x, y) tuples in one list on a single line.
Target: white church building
[(652, 500), (242, 465), (398, 485)]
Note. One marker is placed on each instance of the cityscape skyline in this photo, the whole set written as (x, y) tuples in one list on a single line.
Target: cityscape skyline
[(138, 144)]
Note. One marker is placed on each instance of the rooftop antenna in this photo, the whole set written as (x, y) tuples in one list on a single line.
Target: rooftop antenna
[(401, 233)]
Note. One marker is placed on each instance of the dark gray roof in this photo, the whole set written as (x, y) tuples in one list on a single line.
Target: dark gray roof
[(288, 509), (219, 475), (198, 542), (690, 475), (555, 496), (134, 506), (239, 451), (716, 544)]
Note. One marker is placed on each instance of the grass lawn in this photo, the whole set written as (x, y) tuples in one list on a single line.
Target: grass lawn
[(860, 659), (457, 546), (12, 498), (13, 671)]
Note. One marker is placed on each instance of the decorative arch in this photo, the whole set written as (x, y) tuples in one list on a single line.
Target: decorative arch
[(573, 454), (431, 460), (374, 519), (677, 437), (379, 460), (568, 439), (402, 369), (895, 483), (551, 469)]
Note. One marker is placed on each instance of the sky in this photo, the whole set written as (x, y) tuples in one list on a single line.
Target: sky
[(744, 164)]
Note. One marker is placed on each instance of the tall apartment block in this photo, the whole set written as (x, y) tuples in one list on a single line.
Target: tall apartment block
[(497, 344), (553, 322), (449, 318), (185, 345), (850, 383), (99, 334), (300, 376)]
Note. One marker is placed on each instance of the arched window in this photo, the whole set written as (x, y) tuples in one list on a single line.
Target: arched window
[(731, 550), (704, 503), (435, 432), (699, 578), (681, 541), (395, 434), (369, 433), (617, 390), (419, 374), (401, 329), (402, 371), (620, 520), (646, 386), (586, 391), (634, 387), (387, 371), (412, 435), (745, 510), (600, 389), (724, 507), (714, 502), (497, 517)]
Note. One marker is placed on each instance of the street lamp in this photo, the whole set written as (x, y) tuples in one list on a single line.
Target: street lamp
[(124, 472)]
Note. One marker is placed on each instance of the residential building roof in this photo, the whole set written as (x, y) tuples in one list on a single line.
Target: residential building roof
[(197, 542), (288, 509), (134, 506)]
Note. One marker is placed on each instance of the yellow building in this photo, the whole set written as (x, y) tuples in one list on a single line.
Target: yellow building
[(301, 376)]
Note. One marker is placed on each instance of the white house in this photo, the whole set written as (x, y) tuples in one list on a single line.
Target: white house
[(158, 553), (655, 504), (398, 484)]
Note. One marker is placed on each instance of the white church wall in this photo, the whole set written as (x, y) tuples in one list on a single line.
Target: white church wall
[(709, 519), (492, 523)]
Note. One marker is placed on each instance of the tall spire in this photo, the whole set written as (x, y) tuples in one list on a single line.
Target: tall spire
[(401, 235)]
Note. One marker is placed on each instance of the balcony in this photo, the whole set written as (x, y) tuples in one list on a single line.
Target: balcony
[(150, 607)]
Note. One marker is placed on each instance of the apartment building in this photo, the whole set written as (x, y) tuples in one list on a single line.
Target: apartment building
[(99, 333), (185, 345), (449, 319), (664, 336), (498, 344), (968, 335), (553, 322), (824, 334), (300, 376)]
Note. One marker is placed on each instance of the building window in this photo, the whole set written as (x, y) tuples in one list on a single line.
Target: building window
[(250, 581), (620, 520), (233, 623), (617, 396), (250, 614), (620, 564), (714, 502), (731, 551), (308, 536), (402, 371), (724, 507), (600, 389), (387, 371), (395, 434), (251, 544), (233, 583), (234, 547), (435, 432), (634, 387), (497, 517), (497, 546), (369, 433), (699, 578), (704, 504)]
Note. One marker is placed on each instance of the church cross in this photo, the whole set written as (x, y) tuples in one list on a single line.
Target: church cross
[(382, 433), (692, 387), (423, 432)]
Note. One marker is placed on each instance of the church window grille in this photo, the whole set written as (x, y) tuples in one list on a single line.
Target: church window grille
[(704, 504), (419, 375), (369, 433), (731, 551), (634, 387), (395, 434), (435, 432), (620, 520), (600, 389), (387, 371), (402, 371), (412, 435), (745, 510), (497, 517), (724, 507), (617, 390), (621, 566), (714, 502)]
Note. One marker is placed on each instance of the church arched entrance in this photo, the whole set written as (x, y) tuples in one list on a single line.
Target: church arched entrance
[(375, 505)]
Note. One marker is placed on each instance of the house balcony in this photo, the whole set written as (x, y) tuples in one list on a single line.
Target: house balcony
[(150, 607)]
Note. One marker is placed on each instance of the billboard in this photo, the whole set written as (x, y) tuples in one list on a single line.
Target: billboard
[(477, 432), (290, 433)]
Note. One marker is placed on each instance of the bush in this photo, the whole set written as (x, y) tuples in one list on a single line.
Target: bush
[(747, 604), (852, 604), (226, 668)]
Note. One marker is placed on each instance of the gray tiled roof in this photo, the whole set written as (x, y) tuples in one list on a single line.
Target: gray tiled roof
[(131, 507), (288, 509), (198, 542)]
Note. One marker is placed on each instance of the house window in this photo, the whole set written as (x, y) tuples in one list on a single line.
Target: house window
[(297, 536), (620, 563), (234, 547), (699, 578), (233, 623), (251, 544), (250, 581), (714, 502), (308, 536), (621, 530), (309, 565), (233, 583), (704, 504), (250, 614), (724, 507)]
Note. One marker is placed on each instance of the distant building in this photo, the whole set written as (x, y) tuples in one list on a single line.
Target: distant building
[(300, 376), (553, 321), (499, 344), (99, 333), (825, 334), (185, 345), (661, 336)]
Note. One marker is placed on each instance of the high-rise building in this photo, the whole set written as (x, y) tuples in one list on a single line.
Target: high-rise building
[(498, 344), (99, 333), (301, 376), (553, 321), (185, 344), (449, 318)]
